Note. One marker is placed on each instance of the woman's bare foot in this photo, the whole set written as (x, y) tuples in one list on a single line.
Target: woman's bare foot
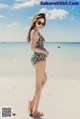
[(30, 107), (30, 110), (37, 113)]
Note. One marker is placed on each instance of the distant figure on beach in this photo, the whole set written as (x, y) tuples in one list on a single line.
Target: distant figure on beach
[(58, 46), (38, 60)]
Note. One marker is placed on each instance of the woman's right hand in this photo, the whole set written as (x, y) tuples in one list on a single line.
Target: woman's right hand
[(46, 53)]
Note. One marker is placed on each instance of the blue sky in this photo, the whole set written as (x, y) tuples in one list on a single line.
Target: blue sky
[(63, 21)]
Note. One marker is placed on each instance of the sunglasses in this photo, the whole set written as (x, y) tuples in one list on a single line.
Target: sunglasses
[(40, 23)]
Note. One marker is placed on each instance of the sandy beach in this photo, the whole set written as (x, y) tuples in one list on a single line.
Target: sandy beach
[(60, 98)]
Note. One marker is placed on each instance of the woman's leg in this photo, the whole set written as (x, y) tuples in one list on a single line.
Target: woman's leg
[(43, 83), (40, 71), (44, 80)]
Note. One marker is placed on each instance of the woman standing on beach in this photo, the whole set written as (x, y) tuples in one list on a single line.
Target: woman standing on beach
[(38, 60)]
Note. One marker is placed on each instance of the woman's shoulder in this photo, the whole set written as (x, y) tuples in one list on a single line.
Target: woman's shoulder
[(34, 34), (33, 31)]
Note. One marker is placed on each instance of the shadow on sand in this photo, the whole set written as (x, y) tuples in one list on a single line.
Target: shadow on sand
[(37, 117)]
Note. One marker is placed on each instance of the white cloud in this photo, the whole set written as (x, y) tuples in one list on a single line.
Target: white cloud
[(1, 16), (30, 17), (55, 13), (25, 3), (3, 6), (14, 24), (12, 35)]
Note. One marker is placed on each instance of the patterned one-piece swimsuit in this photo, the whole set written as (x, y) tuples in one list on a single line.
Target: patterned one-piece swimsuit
[(37, 57)]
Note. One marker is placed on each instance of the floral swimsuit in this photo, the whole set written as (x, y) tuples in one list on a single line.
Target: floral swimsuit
[(37, 57)]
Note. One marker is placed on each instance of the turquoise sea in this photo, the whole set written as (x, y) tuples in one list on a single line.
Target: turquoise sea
[(68, 51), (63, 59)]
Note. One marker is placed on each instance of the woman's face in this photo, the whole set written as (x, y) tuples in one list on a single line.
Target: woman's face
[(40, 23)]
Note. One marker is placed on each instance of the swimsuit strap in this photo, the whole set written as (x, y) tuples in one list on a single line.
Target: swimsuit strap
[(41, 36)]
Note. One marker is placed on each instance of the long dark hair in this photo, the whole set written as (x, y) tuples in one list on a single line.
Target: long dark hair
[(35, 18)]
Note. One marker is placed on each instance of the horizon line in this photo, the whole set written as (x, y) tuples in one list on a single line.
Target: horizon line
[(47, 42)]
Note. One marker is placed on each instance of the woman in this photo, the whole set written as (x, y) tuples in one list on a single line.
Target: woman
[(38, 60)]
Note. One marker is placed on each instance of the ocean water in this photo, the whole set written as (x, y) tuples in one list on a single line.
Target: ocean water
[(17, 55), (15, 51)]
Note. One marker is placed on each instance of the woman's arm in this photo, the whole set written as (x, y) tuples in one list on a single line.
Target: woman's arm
[(34, 39)]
